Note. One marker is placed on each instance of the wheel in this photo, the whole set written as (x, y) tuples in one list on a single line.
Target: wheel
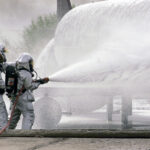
[(47, 113)]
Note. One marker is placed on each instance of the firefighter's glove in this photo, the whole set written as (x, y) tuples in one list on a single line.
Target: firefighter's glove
[(43, 81)]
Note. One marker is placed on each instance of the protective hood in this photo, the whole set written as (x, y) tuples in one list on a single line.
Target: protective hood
[(24, 61)]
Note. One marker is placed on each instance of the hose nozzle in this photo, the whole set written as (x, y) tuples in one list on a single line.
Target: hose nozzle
[(43, 81)]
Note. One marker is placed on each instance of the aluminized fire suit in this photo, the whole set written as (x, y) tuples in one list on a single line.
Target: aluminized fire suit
[(25, 83), (3, 111)]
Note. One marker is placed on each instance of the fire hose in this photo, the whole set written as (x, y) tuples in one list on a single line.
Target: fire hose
[(12, 112)]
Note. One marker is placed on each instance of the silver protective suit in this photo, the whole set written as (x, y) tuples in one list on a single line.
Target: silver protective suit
[(24, 105), (3, 111)]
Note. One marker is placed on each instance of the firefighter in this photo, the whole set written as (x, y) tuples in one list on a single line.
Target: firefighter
[(3, 111), (25, 86)]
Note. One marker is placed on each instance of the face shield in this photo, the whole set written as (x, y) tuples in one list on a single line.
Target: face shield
[(3, 50), (31, 65), (2, 57)]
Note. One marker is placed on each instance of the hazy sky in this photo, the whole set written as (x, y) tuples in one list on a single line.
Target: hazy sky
[(16, 14), (21, 12)]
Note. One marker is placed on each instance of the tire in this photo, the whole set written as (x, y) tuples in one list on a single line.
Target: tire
[(47, 113)]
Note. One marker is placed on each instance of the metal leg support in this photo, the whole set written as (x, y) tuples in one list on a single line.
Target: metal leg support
[(110, 109), (126, 112)]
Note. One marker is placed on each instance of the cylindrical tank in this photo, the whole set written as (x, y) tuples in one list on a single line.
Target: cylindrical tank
[(106, 44)]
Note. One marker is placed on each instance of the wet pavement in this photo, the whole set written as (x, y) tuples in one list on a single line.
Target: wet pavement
[(96, 120), (73, 144)]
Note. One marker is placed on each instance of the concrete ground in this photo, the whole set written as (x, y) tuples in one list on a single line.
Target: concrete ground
[(73, 144), (85, 121)]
